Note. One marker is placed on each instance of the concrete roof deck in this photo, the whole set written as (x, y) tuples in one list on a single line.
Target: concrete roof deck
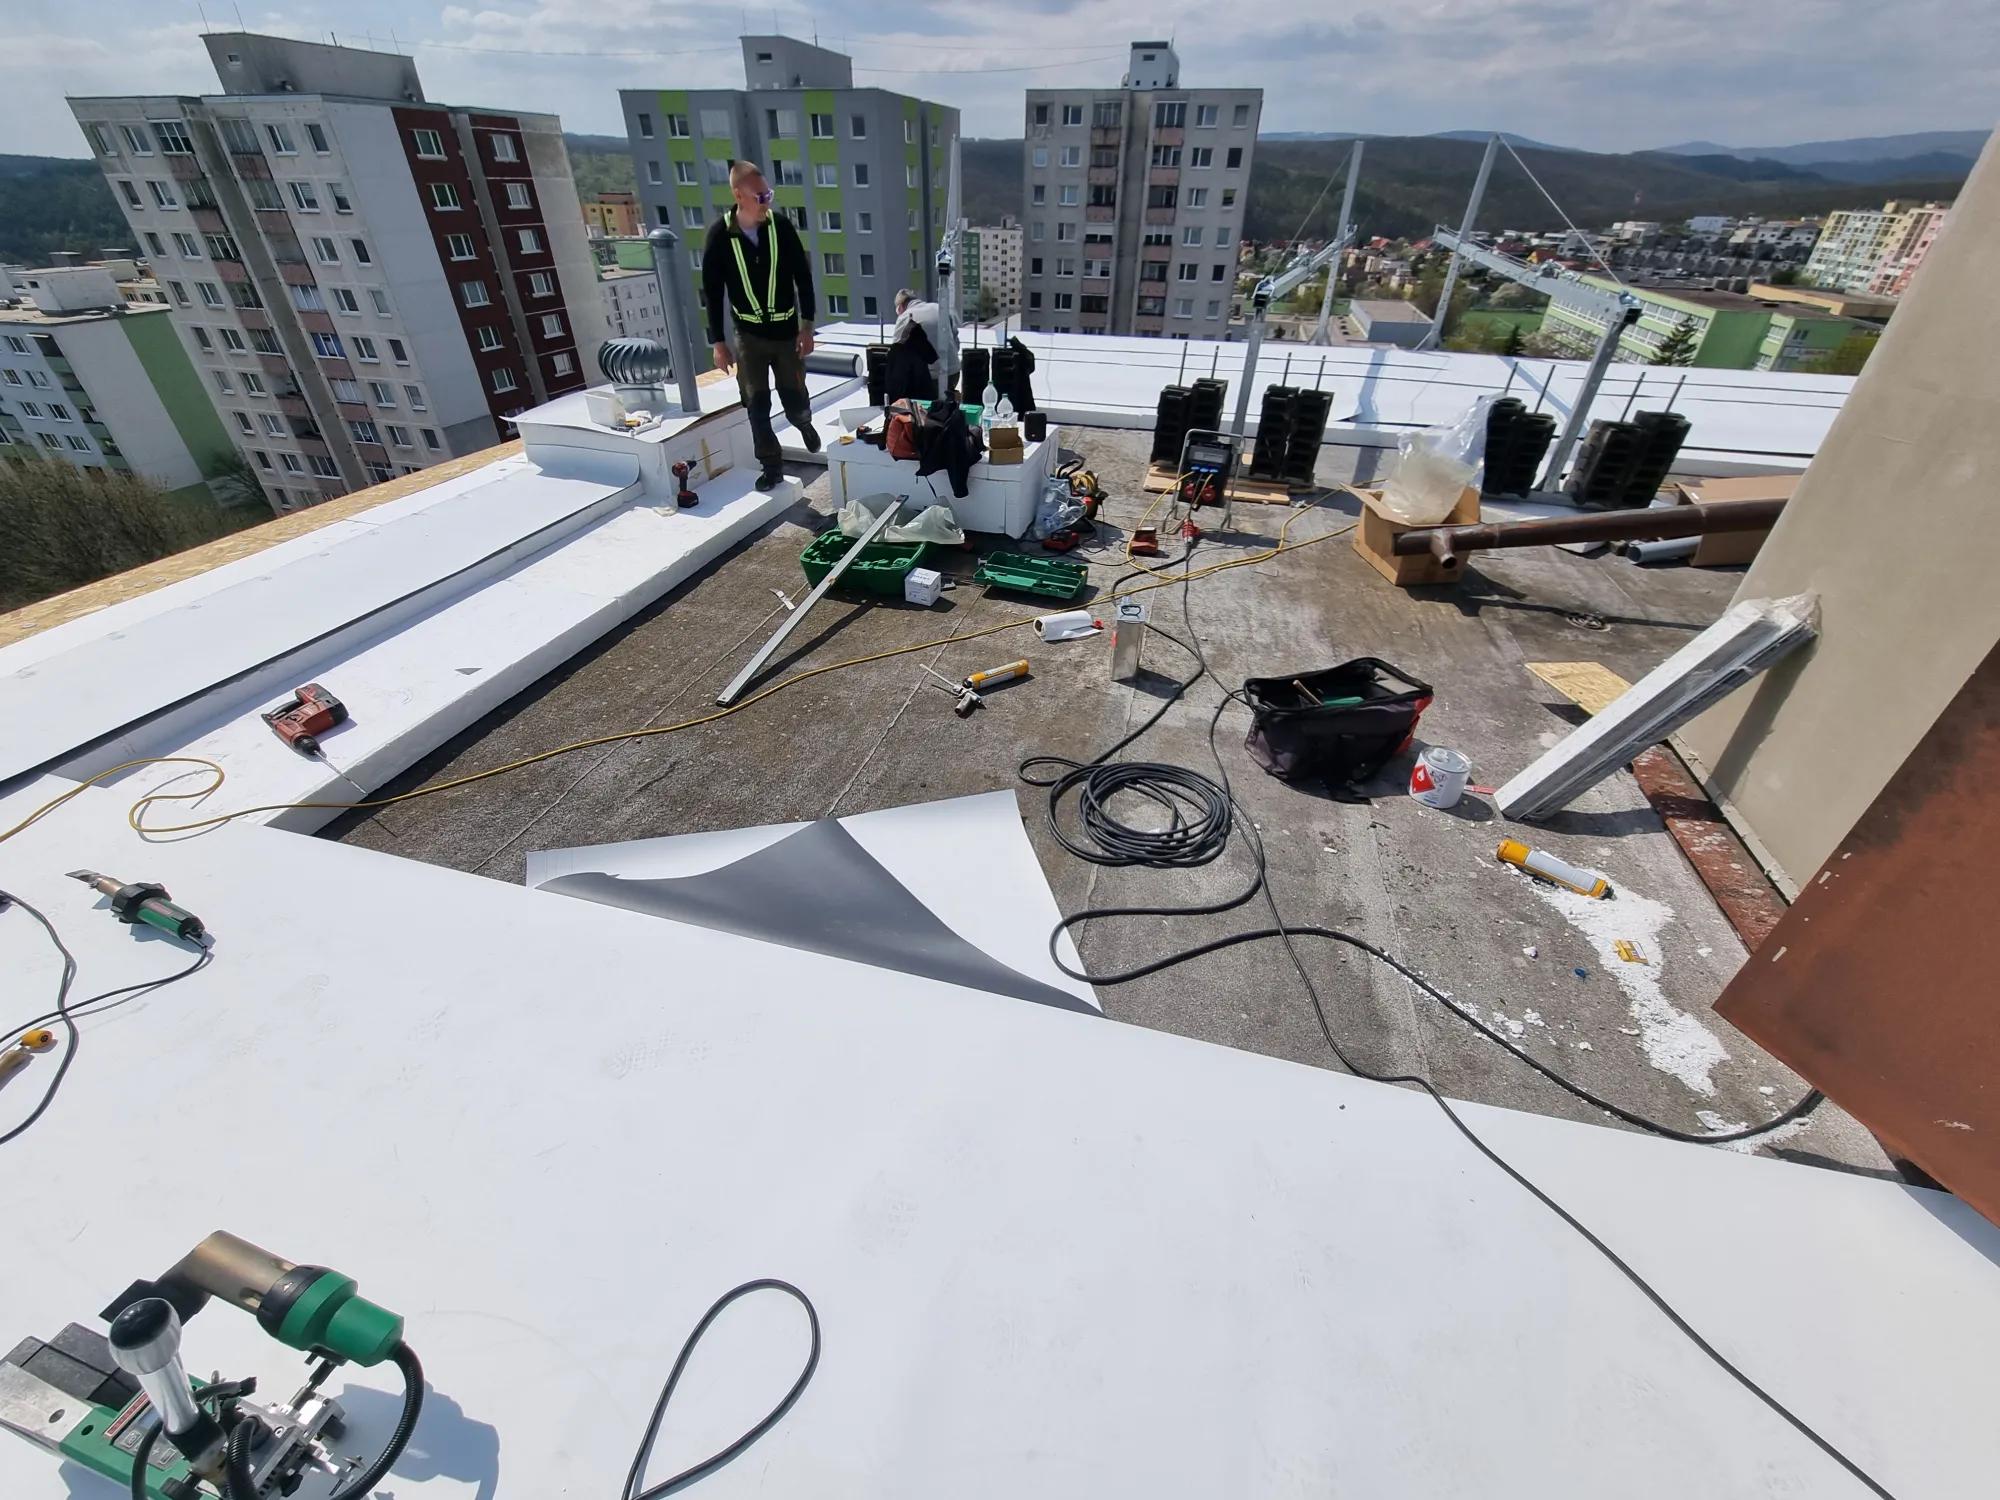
[(1420, 882)]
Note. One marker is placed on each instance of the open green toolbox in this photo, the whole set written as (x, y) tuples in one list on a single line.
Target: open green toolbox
[(1044, 577), (880, 569)]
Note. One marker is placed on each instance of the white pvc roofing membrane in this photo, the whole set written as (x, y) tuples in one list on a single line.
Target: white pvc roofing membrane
[(1774, 420), (1053, 1255)]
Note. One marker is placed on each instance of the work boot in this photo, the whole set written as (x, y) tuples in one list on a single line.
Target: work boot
[(809, 435), (770, 479)]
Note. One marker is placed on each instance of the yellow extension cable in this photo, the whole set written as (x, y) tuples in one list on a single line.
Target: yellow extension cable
[(135, 814)]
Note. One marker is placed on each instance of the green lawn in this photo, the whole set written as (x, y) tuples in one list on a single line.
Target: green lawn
[(1497, 320)]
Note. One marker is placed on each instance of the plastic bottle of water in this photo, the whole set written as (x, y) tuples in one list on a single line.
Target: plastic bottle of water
[(988, 400)]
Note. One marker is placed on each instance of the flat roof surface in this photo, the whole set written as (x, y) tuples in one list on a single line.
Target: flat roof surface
[(1422, 883), (1390, 310)]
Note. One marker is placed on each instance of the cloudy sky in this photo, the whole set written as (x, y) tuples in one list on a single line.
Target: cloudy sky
[(1613, 77)]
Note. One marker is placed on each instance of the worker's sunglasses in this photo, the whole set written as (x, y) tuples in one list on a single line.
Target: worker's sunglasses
[(764, 197)]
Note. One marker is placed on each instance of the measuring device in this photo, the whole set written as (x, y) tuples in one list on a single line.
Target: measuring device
[(122, 1403), (1208, 463)]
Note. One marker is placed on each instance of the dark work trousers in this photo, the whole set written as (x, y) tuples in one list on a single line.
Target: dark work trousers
[(758, 361)]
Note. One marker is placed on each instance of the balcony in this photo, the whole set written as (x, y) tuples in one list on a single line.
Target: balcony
[(1149, 325), (254, 317), (251, 164), (298, 273), (1101, 213), (1107, 135), (1102, 177), (232, 271), (209, 220), (292, 404), (184, 168), (1163, 176), (1169, 135), (318, 321), (1156, 252), (1162, 215)]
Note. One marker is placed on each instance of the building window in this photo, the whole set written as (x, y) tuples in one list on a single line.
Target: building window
[(1065, 267), (431, 439), (489, 338), (1186, 272), (867, 265), (826, 174), (248, 427), (1235, 157), (200, 338), (60, 412), (1101, 268), (1067, 196), (1204, 116), (444, 196), (345, 300), (323, 466), (1072, 114), (135, 141), (100, 136), (1038, 195), (822, 127), (155, 244), (864, 223), (338, 194), (861, 174), (232, 341), (263, 458), (503, 380), (531, 241), (399, 436), (131, 193), (263, 194), (1166, 156), (360, 249), (836, 304), (281, 140), (80, 444), (1072, 156), (291, 463), (833, 264), (518, 195), (306, 298), (1191, 234), (1183, 307), (327, 346), (504, 149), (50, 440), (1169, 116), (552, 325), (1241, 115), (384, 394), (1041, 156), (653, 172), (870, 308), (211, 295), (684, 173), (380, 300), (325, 251), (1201, 156), (264, 341), (1065, 301), (829, 221), (398, 353), (429, 144), (346, 390), (188, 246), (1106, 116), (364, 349), (646, 126), (541, 284), (316, 138), (163, 195), (253, 384), (222, 247), (414, 394), (857, 127), (473, 293), (173, 138), (691, 216), (364, 431)]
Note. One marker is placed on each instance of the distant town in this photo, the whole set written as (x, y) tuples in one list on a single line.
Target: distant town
[(262, 334)]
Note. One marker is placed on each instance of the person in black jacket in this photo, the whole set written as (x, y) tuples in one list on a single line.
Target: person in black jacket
[(754, 263)]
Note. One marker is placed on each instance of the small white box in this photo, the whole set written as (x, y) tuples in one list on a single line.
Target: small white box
[(923, 585)]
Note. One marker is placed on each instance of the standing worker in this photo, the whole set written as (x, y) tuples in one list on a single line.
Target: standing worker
[(754, 261)]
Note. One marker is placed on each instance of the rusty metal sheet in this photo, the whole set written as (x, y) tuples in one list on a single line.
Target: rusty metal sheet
[(1878, 984)]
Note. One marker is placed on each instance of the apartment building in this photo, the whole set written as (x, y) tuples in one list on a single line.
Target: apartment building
[(367, 282), (631, 294), (1133, 202), (100, 380), (613, 216), (1732, 331), (863, 172), (1868, 250), (989, 270)]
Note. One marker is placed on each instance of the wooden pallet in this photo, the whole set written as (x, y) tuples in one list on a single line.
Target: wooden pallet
[(1160, 479)]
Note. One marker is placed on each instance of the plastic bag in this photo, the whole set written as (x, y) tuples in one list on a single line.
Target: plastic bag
[(934, 523), (1436, 466), (1056, 510)]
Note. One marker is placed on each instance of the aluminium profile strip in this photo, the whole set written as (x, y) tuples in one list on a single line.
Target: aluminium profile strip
[(1749, 637)]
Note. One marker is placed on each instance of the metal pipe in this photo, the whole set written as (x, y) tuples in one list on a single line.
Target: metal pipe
[(671, 273), (1344, 229), (1445, 543), (1579, 411), (1253, 342), (1436, 330)]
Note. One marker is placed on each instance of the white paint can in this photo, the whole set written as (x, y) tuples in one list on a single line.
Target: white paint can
[(1438, 778), (1067, 626)]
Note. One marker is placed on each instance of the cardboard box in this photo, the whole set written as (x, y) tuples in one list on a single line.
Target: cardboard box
[(1732, 547), (1004, 446), (1377, 534)]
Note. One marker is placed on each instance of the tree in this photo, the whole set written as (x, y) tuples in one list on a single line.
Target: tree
[(1785, 276), (1513, 344), (1845, 358), (234, 482), (66, 527), (986, 306), (1677, 348)]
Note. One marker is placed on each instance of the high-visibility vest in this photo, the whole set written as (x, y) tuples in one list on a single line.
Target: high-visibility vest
[(750, 310)]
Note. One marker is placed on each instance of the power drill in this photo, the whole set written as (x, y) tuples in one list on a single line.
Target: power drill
[(309, 713), (686, 496)]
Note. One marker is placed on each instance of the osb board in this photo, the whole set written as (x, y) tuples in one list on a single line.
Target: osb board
[(1160, 478), (1732, 874), (31, 619)]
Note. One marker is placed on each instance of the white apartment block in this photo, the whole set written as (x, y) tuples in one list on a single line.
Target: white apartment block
[(990, 269), (1871, 250), (1134, 200), (632, 304), (367, 282)]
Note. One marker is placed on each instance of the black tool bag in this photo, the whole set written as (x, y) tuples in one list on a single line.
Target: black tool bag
[(1339, 725)]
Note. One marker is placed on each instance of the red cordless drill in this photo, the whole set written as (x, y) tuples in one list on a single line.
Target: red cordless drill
[(309, 713), (687, 496)]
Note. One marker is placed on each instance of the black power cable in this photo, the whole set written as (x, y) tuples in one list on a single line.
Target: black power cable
[(1260, 883), (67, 1013), (709, 1465)]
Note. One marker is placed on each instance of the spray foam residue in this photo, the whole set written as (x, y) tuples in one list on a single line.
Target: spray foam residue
[(1672, 1040)]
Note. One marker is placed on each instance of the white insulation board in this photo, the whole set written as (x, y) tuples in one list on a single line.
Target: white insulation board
[(1052, 1255)]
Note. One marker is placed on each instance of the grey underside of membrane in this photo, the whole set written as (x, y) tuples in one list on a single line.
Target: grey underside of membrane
[(819, 890)]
